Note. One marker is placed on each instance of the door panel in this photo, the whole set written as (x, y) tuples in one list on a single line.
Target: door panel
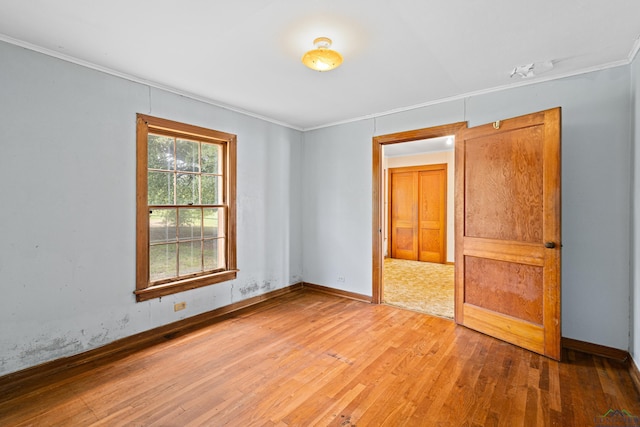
[(432, 199), (404, 229), (507, 209), (505, 287), (503, 189)]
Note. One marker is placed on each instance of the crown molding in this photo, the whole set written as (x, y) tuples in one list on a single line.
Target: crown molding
[(136, 79), (49, 52), (524, 82), (634, 50)]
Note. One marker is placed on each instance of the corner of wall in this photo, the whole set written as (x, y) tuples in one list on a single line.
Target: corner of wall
[(634, 300)]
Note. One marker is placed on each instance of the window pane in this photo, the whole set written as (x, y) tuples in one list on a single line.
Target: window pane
[(190, 223), (160, 188), (162, 225), (187, 189), (190, 257), (211, 155), (214, 222), (214, 254), (211, 190), (160, 152), (187, 155), (162, 262)]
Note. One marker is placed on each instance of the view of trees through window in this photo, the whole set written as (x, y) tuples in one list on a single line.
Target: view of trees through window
[(186, 207)]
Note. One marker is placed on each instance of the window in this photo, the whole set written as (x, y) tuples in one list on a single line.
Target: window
[(186, 223)]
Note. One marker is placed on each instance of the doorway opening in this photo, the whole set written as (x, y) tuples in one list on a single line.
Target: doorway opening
[(418, 271), (413, 232)]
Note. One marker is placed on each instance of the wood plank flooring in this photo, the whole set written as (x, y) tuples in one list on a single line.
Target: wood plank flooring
[(308, 359)]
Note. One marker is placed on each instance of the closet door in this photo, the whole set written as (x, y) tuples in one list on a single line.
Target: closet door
[(418, 197), (404, 214), (432, 214)]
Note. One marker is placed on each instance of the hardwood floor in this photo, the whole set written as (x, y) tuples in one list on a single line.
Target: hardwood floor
[(308, 358)]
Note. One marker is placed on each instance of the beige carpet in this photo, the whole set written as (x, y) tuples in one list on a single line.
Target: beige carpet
[(419, 286)]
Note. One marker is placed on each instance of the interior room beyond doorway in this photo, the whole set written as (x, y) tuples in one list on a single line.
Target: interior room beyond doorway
[(418, 232)]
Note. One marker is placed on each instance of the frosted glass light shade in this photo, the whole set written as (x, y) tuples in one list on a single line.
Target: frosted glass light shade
[(322, 58)]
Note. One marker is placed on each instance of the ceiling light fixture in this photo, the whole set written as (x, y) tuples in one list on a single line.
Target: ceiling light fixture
[(322, 58)]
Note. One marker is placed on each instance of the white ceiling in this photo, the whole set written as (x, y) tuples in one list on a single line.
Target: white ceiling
[(245, 54)]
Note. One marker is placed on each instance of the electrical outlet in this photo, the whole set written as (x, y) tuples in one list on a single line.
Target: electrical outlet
[(341, 279), (179, 306)]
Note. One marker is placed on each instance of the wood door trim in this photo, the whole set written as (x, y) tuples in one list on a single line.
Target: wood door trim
[(417, 134), (378, 195), (432, 167)]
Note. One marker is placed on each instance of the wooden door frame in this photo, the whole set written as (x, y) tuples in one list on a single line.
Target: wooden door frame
[(378, 190)]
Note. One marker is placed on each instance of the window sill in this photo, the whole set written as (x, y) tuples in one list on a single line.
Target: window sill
[(183, 285)]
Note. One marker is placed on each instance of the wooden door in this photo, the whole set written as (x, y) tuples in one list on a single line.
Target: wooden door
[(508, 230), (418, 197), (432, 200), (404, 214)]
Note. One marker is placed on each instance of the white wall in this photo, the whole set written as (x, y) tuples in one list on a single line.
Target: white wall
[(337, 204), (634, 347), (429, 159), (67, 222), (304, 203), (596, 179)]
